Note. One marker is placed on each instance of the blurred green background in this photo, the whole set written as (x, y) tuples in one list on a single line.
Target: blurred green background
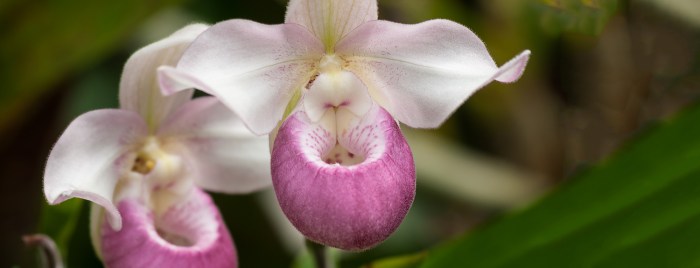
[(611, 81)]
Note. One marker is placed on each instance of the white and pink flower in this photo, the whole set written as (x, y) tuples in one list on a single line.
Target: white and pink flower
[(340, 79), (146, 164)]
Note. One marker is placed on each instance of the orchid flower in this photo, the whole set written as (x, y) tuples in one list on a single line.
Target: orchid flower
[(146, 164), (341, 168)]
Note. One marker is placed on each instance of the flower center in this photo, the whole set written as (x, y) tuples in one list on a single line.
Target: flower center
[(340, 138), (158, 176), (330, 63), (143, 164), (335, 97), (342, 156), (152, 160), (174, 238), (335, 88)]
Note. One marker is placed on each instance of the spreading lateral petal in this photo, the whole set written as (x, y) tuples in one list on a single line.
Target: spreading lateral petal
[(422, 73), (224, 155), (243, 64), (89, 157)]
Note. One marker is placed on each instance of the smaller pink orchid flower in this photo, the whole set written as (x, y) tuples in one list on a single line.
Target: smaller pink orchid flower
[(342, 171), (146, 163)]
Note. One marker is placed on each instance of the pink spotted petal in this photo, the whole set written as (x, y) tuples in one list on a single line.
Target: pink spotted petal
[(195, 232), (349, 207), (422, 73)]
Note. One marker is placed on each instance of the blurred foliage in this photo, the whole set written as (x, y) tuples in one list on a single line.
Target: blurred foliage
[(639, 209), (600, 70), (305, 259), (406, 261), (688, 11), (45, 41), (45, 44), (584, 16), (59, 223), (256, 240), (459, 172)]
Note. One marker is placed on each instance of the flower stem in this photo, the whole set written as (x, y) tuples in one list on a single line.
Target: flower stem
[(320, 254), (50, 256)]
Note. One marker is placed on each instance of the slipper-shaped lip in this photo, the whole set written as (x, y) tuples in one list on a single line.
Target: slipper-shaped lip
[(348, 207), (140, 242)]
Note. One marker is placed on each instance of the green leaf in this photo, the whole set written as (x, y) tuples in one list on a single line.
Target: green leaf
[(44, 42), (406, 261), (638, 208), (59, 222), (305, 258)]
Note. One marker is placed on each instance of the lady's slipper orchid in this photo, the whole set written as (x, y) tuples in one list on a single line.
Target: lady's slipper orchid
[(341, 169), (144, 165)]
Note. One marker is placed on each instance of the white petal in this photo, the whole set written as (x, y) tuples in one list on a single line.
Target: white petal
[(224, 155), (331, 20), (89, 157), (422, 73), (138, 89), (252, 68)]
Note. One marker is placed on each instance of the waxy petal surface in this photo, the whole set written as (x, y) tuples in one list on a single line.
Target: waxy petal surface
[(330, 20), (422, 73), (244, 63), (190, 234), (223, 154), (349, 207), (139, 90), (89, 157)]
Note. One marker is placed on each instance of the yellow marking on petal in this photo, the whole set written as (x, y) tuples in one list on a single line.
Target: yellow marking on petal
[(328, 33), (291, 105)]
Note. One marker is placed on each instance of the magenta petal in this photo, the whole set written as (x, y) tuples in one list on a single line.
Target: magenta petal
[(349, 207), (196, 236)]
